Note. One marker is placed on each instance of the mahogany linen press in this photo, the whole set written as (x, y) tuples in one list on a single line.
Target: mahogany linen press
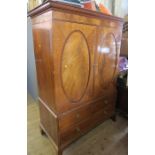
[(76, 55)]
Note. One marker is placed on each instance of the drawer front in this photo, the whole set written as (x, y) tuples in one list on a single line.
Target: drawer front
[(89, 119), (74, 132), (102, 104), (69, 135), (103, 114), (97, 106), (74, 117)]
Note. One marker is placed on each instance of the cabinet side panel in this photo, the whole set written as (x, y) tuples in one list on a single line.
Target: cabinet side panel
[(43, 58), (49, 122)]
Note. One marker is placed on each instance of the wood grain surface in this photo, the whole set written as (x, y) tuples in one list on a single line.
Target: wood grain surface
[(76, 53)]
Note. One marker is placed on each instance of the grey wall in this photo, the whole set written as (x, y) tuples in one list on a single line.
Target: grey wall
[(117, 7), (31, 68), (120, 8)]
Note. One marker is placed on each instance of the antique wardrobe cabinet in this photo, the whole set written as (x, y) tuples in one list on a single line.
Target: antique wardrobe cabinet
[(76, 55)]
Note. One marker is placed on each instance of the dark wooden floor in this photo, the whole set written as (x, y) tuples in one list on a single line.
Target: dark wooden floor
[(109, 138)]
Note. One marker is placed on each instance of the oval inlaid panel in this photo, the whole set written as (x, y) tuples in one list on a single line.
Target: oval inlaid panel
[(107, 60), (75, 67)]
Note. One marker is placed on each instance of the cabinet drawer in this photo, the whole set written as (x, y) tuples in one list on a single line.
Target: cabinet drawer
[(97, 106), (74, 117), (103, 114), (69, 135), (102, 104), (72, 133)]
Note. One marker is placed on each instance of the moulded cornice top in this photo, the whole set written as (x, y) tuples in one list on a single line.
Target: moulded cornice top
[(60, 6)]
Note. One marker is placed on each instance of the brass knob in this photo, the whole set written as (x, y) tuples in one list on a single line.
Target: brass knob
[(66, 66), (106, 101), (78, 129), (77, 115), (39, 45), (105, 112)]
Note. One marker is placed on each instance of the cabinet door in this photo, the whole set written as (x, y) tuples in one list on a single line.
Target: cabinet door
[(73, 47), (106, 59)]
